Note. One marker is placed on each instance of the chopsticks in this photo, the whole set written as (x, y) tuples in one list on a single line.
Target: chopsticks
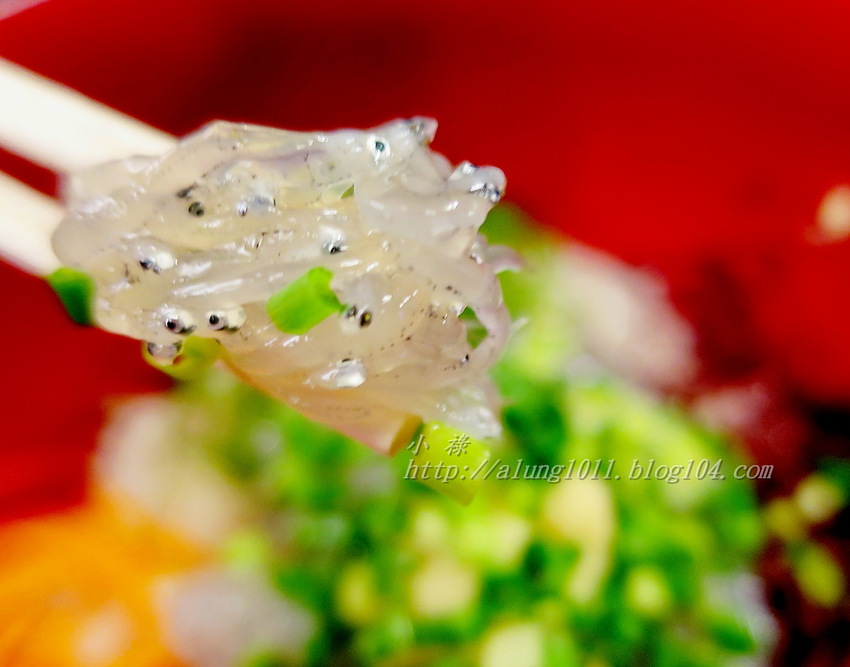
[(27, 220), (65, 131)]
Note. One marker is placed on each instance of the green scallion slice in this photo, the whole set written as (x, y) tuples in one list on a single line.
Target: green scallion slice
[(75, 290), (196, 356), (304, 303), (448, 461)]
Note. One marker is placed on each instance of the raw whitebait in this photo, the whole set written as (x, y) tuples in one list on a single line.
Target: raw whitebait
[(339, 271)]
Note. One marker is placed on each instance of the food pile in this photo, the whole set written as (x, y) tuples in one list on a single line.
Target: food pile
[(330, 269), (335, 558)]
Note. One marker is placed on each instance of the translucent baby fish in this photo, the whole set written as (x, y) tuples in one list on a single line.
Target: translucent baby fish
[(332, 268)]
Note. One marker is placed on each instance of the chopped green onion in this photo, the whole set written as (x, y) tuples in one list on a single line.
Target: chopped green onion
[(348, 193), (247, 551), (818, 498), (730, 632), (356, 599), (647, 593), (263, 658), (475, 331), (389, 635), (196, 356), (818, 575), (304, 303), (837, 471), (449, 461), (75, 290)]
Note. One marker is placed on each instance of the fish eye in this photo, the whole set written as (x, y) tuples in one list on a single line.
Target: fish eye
[(196, 208), (230, 320), (335, 247), (379, 148), (179, 323)]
